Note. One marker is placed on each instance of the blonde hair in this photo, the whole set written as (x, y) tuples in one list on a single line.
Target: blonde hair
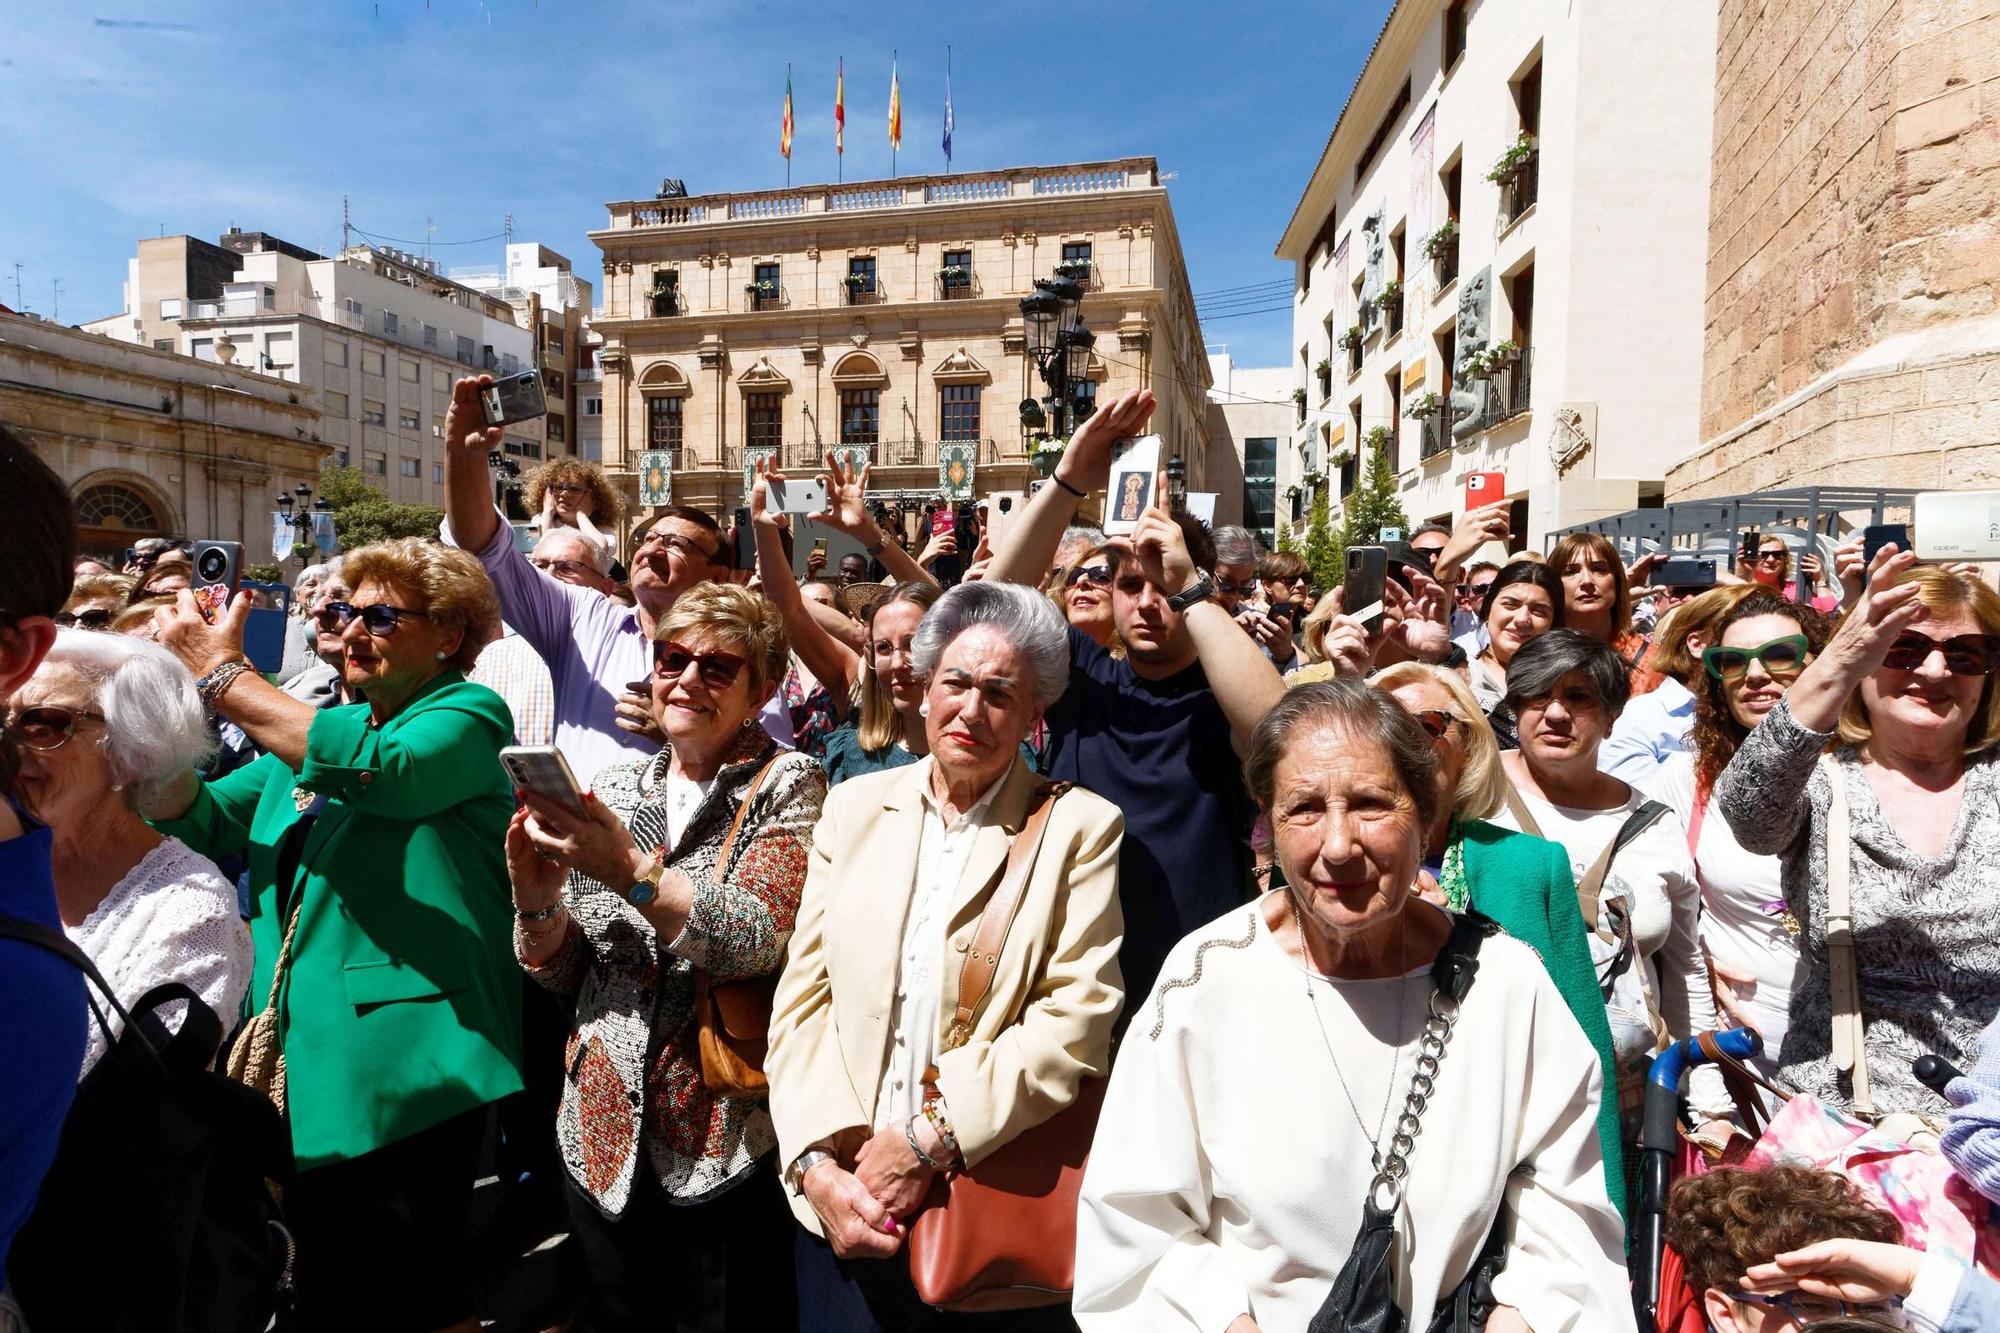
[(1312, 631), (1943, 592), (451, 584), (137, 619), (607, 507), (100, 587), (734, 615), (1482, 782), (880, 724)]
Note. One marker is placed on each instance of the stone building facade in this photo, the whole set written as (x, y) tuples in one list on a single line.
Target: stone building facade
[(155, 444), (1853, 306), (883, 317)]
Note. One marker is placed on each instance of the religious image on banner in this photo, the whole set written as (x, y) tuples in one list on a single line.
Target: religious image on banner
[(853, 457), (1423, 149), (753, 459), (656, 477), (955, 463)]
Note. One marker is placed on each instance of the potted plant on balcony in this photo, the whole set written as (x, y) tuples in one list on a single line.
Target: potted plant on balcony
[(1350, 338), (1314, 480), (1477, 365), (1293, 492), (1299, 401), (758, 290), (952, 273), (855, 281), (1439, 243), (661, 302), (1511, 161), (1076, 270), (1046, 452), (1392, 292), (1503, 354), (1424, 405)]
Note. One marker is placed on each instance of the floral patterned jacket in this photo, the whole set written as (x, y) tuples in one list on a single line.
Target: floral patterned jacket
[(632, 1084)]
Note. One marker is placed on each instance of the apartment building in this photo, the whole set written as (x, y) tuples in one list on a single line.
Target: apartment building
[(883, 318), (551, 302), (1499, 257), (1253, 470), (377, 335)]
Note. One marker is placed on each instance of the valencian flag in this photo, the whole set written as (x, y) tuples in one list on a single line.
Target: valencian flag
[(785, 127), (947, 108)]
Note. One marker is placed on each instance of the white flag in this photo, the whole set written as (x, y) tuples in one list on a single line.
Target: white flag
[(281, 536)]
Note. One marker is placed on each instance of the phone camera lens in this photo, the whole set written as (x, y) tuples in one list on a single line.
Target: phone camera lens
[(214, 564)]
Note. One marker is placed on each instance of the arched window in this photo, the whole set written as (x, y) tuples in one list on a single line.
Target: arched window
[(112, 506)]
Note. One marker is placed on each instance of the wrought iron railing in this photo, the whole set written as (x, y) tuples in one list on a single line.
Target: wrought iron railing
[(1520, 190)]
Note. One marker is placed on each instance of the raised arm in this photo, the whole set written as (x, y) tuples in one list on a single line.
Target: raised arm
[(273, 719), (468, 491), (1032, 539), (847, 512), (835, 664)]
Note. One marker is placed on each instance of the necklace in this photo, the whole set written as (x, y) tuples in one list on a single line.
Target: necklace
[(1395, 1064)]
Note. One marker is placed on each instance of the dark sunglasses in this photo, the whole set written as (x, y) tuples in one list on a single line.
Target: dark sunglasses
[(1768, 558), (1436, 721), (48, 727), (1781, 657), (1478, 591), (379, 620), (97, 617), (1099, 575), (718, 670), (1223, 583), (1964, 654)]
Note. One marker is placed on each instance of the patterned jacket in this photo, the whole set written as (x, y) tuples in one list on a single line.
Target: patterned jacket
[(632, 1083)]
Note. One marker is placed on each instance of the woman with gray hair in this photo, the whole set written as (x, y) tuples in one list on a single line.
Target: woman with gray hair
[(107, 723), (875, 1090)]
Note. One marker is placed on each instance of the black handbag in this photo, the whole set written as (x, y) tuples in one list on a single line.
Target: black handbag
[(172, 1163), (1363, 1297)]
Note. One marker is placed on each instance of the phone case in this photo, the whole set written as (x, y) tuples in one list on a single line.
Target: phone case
[(798, 495)]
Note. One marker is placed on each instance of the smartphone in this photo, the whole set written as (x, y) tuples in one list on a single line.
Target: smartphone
[(1280, 611), (1684, 573), (541, 769), (264, 631), (1361, 592), (1957, 525), (941, 521), (218, 568), (1747, 551), (819, 547), (1878, 535), (796, 495), (968, 524), (515, 398), (1484, 488), (746, 541)]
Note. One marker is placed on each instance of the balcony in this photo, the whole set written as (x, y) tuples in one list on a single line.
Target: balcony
[(1436, 436), (957, 286), (757, 298), (1519, 190), (665, 303), (909, 192), (861, 293), (1506, 392), (1392, 310), (1353, 359), (1445, 265), (882, 455)]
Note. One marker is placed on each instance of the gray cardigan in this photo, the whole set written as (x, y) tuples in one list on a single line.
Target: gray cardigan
[(1925, 943)]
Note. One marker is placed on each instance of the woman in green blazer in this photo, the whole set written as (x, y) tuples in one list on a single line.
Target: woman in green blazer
[(1522, 882), (399, 1009)]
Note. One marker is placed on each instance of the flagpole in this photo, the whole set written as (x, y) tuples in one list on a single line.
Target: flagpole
[(788, 113), (947, 108)]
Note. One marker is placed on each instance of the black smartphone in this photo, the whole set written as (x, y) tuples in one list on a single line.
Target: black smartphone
[(1747, 551), (264, 631), (746, 541), (1878, 535), (968, 528), (1684, 573), (514, 398), (1280, 611), (1361, 591)]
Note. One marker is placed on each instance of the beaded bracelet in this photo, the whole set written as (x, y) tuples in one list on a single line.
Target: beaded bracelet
[(542, 914), (943, 1128), (210, 687)]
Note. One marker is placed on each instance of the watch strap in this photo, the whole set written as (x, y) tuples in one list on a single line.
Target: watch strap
[(1200, 590)]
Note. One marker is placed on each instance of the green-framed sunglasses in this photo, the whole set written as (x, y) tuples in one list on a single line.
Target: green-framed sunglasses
[(1781, 657)]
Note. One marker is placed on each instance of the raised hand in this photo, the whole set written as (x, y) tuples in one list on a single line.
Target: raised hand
[(1157, 540), (846, 502), (466, 434), (1865, 1272), (1347, 644), (202, 647), (1879, 616), (761, 514), (940, 544), (1423, 625), (1479, 526), (1086, 463)]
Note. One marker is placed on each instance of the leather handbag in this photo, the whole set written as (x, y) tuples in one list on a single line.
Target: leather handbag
[(733, 1018), (1363, 1297), (1002, 1235)]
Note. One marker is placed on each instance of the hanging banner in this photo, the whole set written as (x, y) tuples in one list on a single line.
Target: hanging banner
[(955, 464), (1343, 299), (753, 460), (281, 536), (656, 477), (323, 534), (1423, 148), (853, 457)]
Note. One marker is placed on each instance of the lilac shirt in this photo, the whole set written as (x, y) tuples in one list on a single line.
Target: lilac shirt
[(593, 647)]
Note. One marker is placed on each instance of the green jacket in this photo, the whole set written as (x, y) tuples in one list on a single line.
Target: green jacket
[(1524, 883), (402, 1003)]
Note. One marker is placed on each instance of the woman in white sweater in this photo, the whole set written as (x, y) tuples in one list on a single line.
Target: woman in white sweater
[(1270, 1066)]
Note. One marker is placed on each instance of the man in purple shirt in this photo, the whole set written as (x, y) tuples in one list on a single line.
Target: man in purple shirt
[(596, 649)]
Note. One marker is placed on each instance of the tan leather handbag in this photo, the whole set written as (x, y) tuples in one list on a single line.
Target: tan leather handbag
[(1002, 1236), (733, 1018)]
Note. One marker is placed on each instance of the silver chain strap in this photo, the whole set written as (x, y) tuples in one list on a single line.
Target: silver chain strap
[(1387, 1189)]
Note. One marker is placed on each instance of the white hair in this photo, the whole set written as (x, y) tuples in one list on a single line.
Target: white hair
[(1024, 618), (154, 727), (597, 553), (1235, 546)]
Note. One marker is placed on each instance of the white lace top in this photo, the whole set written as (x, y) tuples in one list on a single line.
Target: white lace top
[(172, 918)]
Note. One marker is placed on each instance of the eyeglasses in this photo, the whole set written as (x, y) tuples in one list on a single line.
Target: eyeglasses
[(568, 488), (48, 727), (1098, 575), (1224, 584), (97, 617), (1436, 721), (1964, 654), (1478, 591), (379, 620), (1781, 657), (568, 568), (1807, 1310), (718, 670), (673, 541)]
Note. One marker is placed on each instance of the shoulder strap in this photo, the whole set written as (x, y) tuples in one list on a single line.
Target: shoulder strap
[(1844, 982), (743, 808), (975, 976), (1590, 889), (1519, 809)]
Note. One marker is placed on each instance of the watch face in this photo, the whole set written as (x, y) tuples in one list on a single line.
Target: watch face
[(642, 893)]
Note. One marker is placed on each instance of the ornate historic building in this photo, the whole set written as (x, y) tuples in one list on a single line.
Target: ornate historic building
[(155, 444), (883, 317)]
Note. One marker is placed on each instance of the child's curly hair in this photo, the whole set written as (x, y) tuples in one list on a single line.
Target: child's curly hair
[(607, 507), (1731, 1219)]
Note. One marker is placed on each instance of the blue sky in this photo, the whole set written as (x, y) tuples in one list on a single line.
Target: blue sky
[(125, 119)]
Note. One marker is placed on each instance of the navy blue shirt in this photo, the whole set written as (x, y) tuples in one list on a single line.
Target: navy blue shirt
[(41, 1036), (1160, 751)]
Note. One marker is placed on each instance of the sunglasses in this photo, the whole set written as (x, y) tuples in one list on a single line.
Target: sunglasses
[(1098, 575), (379, 620), (718, 670), (1478, 591), (97, 617), (1807, 1310), (1436, 721), (568, 488), (1964, 654), (1232, 587), (1781, 657), (48, 727), (1768, 558)]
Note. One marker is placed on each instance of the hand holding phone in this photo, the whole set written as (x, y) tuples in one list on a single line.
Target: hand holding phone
[(513, 398), (1361, 590), (634, 711), (542, 770)]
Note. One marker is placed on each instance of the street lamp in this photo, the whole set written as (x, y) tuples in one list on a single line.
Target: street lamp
[(1177, 481), (301, 511), (1052, 316), (504, 470)]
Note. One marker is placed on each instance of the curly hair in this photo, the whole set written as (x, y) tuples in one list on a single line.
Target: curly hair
[(607, 507), (450, 584), (1732, 1218), (1716, 732)]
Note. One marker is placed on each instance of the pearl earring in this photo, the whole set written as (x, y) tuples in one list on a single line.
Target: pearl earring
[(924, 708), (441, 657)]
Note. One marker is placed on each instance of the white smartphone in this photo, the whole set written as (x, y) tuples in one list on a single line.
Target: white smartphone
[(797, 495), (1958, 525), (541, 769), (1135, 470)]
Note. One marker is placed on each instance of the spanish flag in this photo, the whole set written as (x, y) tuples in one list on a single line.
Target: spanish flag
[(840, 109), (895, 108), (785, 128)]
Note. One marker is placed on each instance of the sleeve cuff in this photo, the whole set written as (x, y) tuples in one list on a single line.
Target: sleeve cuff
[(335, 741), (1929, 1303)]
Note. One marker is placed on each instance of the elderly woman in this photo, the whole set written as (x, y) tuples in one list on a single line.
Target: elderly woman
[(1082, 592), (1906, 809), (1629, 856), (95, 601), (871, 1097), (1312, 1001), (683, 872), (172, 572), (380, 915), (105, 724), (1522, 882)]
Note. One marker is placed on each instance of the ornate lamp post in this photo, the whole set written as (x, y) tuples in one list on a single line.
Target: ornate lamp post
[(1060, 345), (298, 508), (504, 470)]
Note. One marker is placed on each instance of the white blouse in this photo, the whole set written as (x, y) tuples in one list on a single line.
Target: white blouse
[(171, 918), (1228, 1170)]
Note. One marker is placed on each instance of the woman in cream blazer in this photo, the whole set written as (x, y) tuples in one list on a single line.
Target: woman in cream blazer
[(903, 862)]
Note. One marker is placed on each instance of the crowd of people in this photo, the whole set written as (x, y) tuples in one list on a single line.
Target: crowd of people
[(877, 886)]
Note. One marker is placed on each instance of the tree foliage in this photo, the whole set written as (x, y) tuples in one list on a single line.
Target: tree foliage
[(1323, 549), (1375, 504), (362, 514)]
